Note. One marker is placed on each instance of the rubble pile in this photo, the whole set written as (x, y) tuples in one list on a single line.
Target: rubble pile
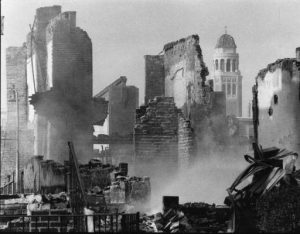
[(130, 190), (109, 187), (96, 174), (189, 217), (271, 201), (279, 210)]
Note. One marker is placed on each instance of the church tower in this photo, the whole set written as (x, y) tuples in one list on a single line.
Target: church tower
[(227, 76)]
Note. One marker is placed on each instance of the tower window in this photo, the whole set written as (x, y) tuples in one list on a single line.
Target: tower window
[(222, 65), (228, 65), (228, 89), (233, 65), (217, 64), (233, 89)]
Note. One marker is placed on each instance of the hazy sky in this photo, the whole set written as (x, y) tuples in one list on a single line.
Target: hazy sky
[(123, 31)]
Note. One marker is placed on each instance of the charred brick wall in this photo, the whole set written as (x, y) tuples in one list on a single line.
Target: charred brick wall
[(155, 77), (276, 112)]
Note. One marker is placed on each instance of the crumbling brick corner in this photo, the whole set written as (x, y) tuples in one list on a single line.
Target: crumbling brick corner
[(276, 96), (163, 137)]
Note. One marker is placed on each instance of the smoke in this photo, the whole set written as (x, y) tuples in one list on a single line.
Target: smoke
[(204, 181)]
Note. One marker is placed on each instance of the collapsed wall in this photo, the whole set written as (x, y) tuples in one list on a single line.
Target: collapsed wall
[(276, 112)]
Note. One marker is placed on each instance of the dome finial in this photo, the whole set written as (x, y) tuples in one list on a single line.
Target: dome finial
[(225, 29)]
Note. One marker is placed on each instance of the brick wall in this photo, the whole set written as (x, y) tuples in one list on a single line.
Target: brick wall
[(16, 78), (154, 77), (156, 136), (57, 222)]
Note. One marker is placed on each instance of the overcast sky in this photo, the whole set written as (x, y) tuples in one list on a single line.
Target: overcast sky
[(123, 31)]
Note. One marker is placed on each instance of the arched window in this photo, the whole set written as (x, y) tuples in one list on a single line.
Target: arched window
[(222, 65), (228, 65), (233, 65), (217, 64)]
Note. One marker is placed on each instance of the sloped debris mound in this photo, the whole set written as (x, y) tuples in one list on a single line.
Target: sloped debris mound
[(272, 198), (189, 217)]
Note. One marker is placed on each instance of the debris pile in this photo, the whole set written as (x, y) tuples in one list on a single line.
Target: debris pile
[(96, 175), (130, 190), (109, 185), (189, 217), (34, 204), (272, 198)]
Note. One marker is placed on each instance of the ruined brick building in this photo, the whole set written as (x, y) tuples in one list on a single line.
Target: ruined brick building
[(52, 74), (180, 106), (61, 86), (276, 97)]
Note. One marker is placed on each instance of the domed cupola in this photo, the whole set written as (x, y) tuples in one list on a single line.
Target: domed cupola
[(226, 41)]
